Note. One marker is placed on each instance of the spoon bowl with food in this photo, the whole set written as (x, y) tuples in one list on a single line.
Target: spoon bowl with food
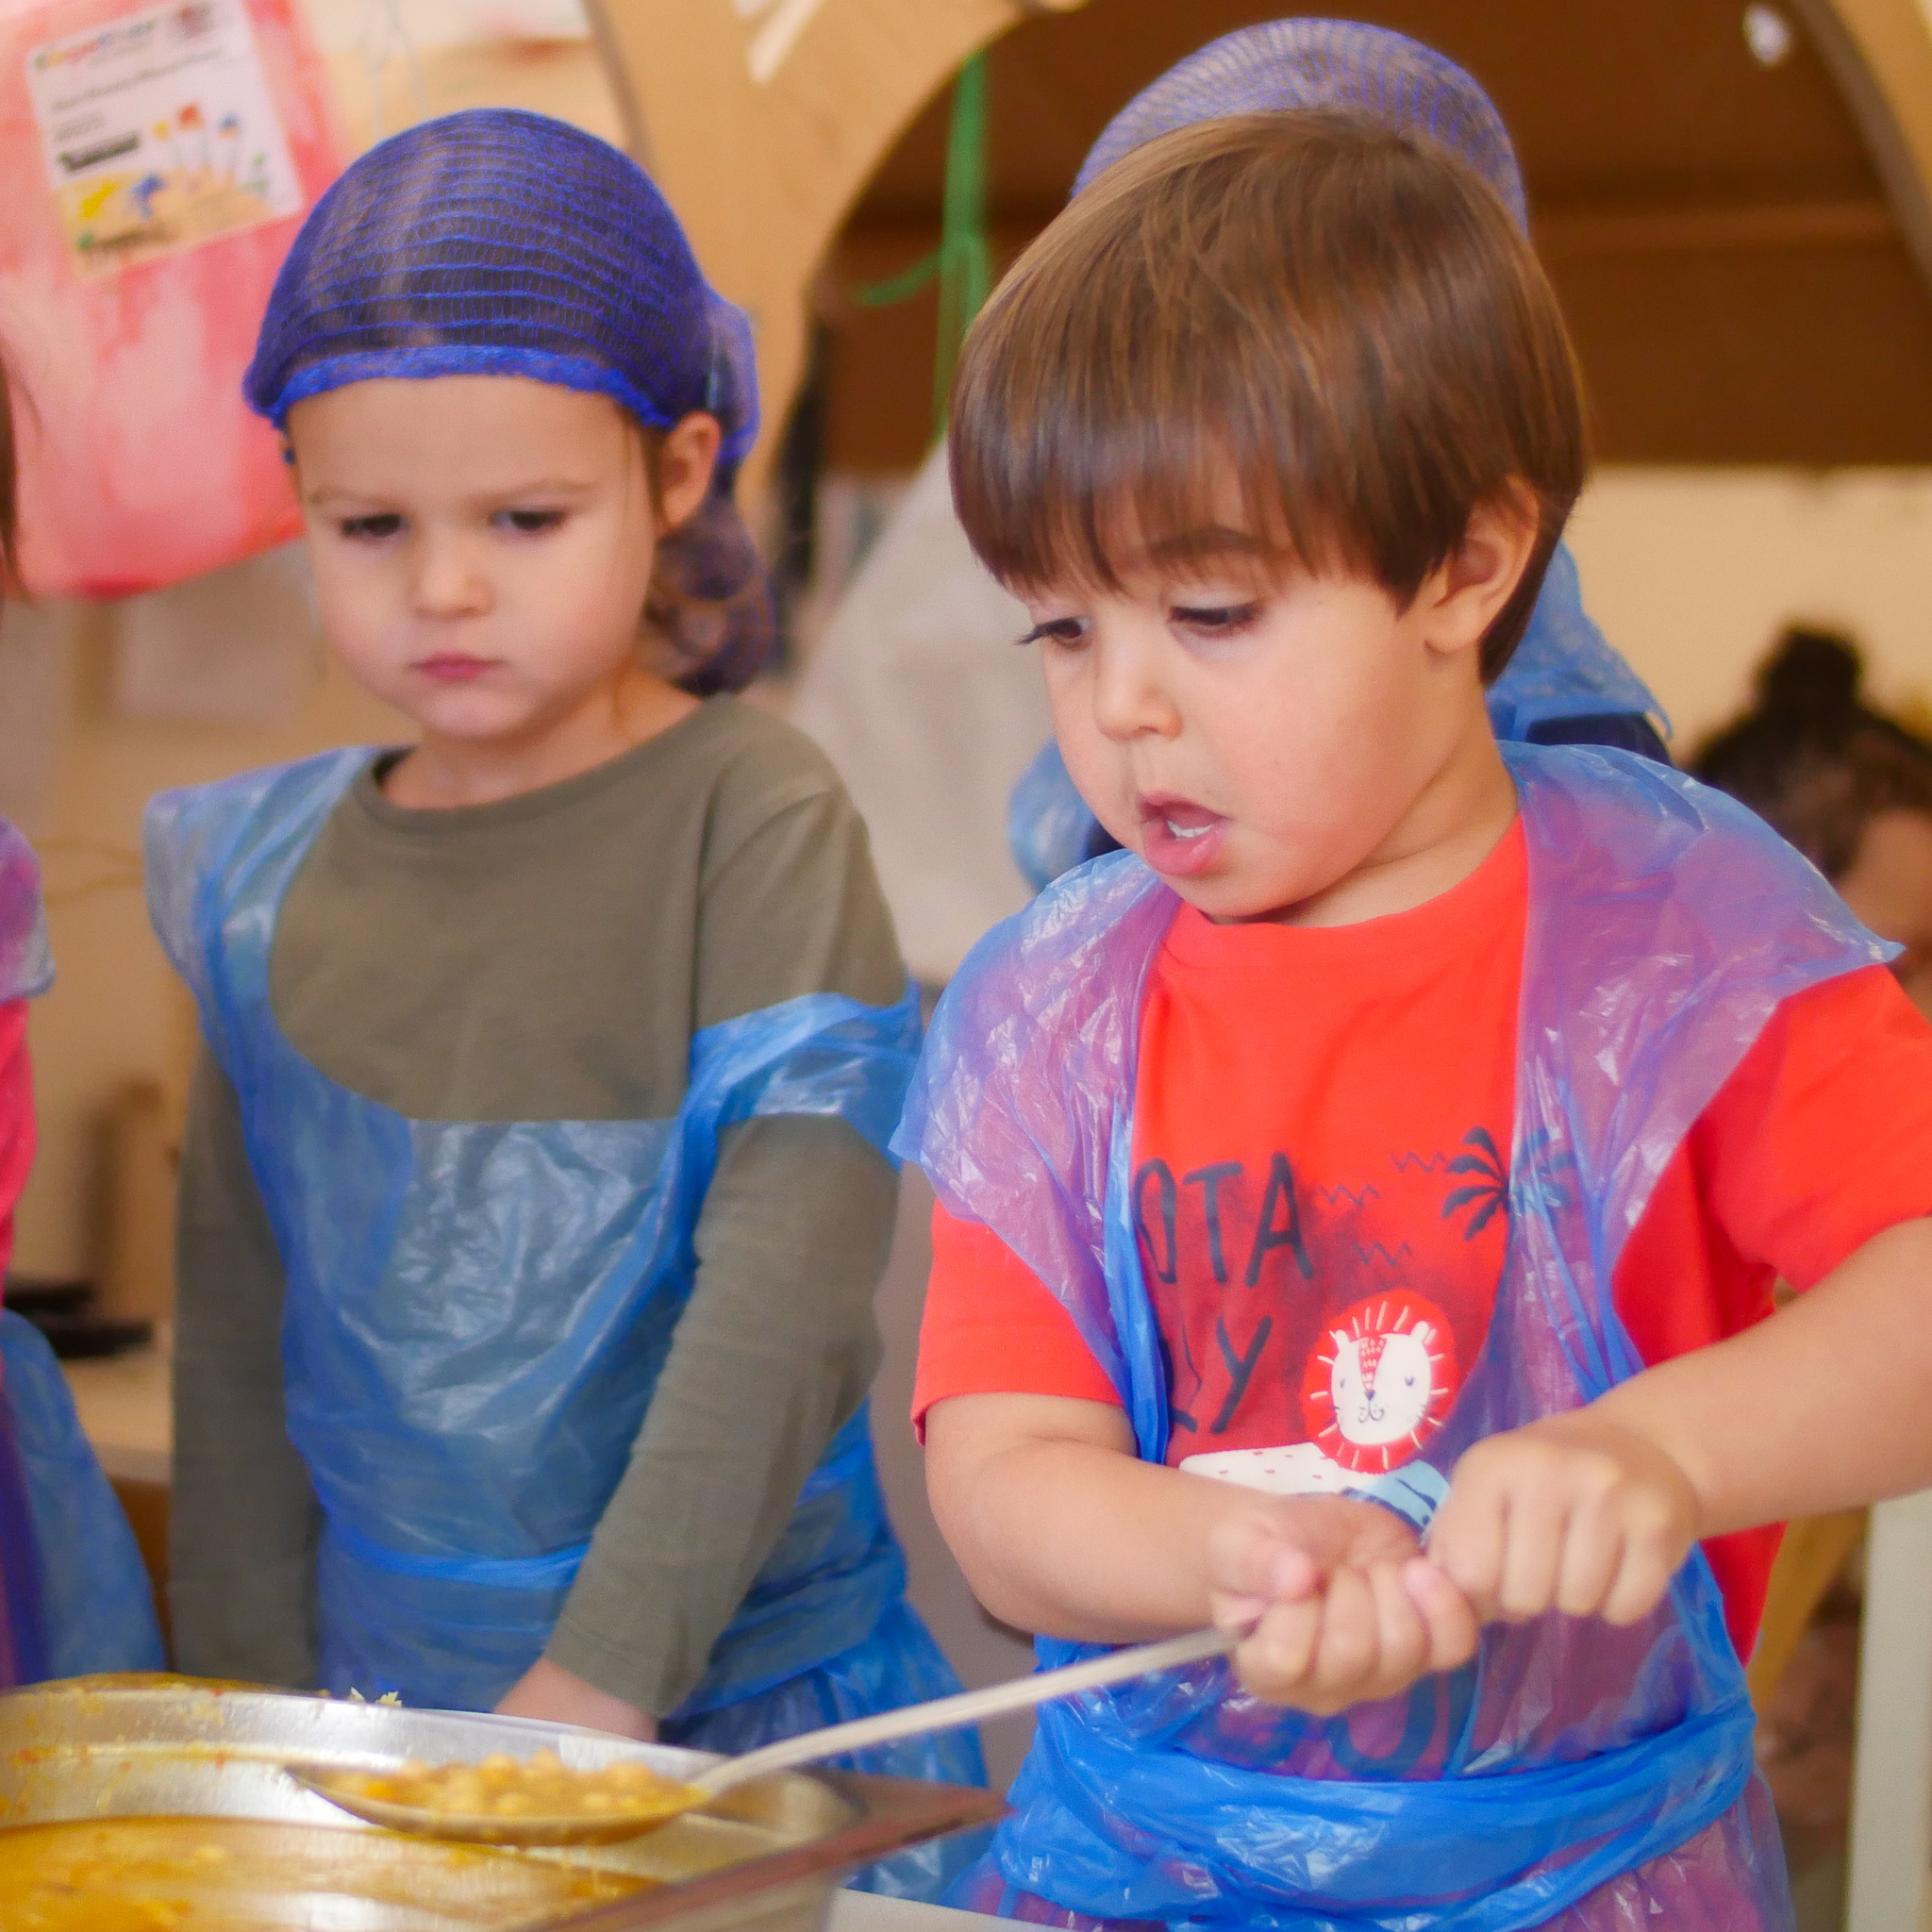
[(541, 1800), (509, 1801)]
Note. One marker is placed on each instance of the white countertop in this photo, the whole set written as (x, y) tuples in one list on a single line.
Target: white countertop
[(125, 1406), (865, 1911)]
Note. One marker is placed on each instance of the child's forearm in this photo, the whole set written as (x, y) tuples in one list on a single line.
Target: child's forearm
[(1061, 1531), (1825, 1406), (1067, 1535)]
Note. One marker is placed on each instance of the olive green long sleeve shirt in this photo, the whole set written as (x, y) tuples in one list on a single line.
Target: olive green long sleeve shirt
[(549, 956)]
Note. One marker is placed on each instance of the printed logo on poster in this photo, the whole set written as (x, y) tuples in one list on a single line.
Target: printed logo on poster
[(159, 133)]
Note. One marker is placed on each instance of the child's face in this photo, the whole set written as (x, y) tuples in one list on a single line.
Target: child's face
[(1890, 886), (1260, 738), (482, 545)]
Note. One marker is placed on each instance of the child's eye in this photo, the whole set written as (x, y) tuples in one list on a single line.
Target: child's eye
[(1067, 632), (371, 530), (531, 523), (1214, 620)]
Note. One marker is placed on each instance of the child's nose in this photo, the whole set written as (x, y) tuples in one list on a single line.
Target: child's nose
[(447, 581), (1129, 701)]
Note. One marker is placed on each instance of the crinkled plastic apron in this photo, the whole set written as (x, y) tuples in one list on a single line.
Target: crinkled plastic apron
[(1563, 669), (478, 1312), (1574, 1775), (73, 1595)]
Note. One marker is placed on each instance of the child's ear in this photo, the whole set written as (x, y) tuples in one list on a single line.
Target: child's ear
[(1466, 593), (685, 459)]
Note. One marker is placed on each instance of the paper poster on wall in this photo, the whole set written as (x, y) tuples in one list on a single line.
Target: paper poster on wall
[(159, 133)]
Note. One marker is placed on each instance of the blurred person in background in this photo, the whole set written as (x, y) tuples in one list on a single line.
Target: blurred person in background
[(1848, 785), (1852, 789), (73, 1595)]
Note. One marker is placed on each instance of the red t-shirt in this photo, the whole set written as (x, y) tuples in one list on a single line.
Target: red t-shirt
[(1322, 1123)]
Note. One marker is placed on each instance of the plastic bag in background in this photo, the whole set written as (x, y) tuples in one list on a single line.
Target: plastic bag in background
[(158, 160), (97, 1610), (919, 698), (26, 958)]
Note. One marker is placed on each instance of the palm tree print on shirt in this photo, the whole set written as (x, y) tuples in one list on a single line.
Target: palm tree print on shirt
[(1486, 1196)]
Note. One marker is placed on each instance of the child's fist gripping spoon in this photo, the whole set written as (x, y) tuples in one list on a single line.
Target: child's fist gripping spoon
[(543, 1803), (1340, 1606)]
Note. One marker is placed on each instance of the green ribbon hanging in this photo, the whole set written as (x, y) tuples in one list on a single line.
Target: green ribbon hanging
[(962, 264)]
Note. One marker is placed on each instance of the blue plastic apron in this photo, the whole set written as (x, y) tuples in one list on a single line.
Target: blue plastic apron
[(96, 1607), (1564, 669), (1665, 924), (74, 1594), (478, 1312)]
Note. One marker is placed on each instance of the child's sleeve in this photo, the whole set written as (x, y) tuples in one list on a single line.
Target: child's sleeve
[(1820, 1139), (244, 1521), (778, 1347), (1823, 1138), (992, 1327)]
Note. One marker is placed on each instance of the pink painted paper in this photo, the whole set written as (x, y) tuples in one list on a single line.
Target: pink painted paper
[(141, 464)]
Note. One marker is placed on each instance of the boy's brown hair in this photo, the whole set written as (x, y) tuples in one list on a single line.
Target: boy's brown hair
[(1346, 322)]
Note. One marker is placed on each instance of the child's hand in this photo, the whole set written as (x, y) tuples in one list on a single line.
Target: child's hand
[(1348, 1610), (555, 1696), (1572, 1513)]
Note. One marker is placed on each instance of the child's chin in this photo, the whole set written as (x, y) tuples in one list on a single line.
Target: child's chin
[(470, 717), (1231, 893), (1227, 900)]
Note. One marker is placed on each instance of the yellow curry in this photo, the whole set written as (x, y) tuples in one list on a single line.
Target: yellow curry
[(210, 1874), (505, 1787)]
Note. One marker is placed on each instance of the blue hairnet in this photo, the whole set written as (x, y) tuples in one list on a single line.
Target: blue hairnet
[(1563, 668), (1285, 64), (499, 242)]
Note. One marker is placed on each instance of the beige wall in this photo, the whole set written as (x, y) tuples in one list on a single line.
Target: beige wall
[(1688, 573), (113, 1014)]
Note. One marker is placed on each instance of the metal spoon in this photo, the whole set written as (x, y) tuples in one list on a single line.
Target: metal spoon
[(887, 1727)]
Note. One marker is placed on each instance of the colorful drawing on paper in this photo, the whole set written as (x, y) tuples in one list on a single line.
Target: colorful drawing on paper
[(159, 133)]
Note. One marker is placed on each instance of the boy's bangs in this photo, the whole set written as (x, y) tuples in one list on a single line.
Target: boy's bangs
[(1295, 340), (1105, 421), (1113, 490)]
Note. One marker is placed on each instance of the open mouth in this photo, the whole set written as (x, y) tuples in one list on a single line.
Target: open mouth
[(1180, 837)]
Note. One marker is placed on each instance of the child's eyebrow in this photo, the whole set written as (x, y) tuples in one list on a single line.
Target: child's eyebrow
[(537, 485)]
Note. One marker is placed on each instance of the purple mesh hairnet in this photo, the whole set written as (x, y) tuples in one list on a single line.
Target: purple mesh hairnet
[(501, 243), (1285, 64)]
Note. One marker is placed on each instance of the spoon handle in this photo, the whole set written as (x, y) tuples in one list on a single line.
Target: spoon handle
[(967, 1707)]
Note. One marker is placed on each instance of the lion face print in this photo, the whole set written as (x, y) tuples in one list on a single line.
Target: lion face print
[(1381, 1382)]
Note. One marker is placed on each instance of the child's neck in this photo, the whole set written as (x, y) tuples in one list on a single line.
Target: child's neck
[(442, 772), (1454, 823)]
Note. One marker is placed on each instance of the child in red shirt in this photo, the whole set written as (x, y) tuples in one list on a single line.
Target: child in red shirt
[(1359, 1199)]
